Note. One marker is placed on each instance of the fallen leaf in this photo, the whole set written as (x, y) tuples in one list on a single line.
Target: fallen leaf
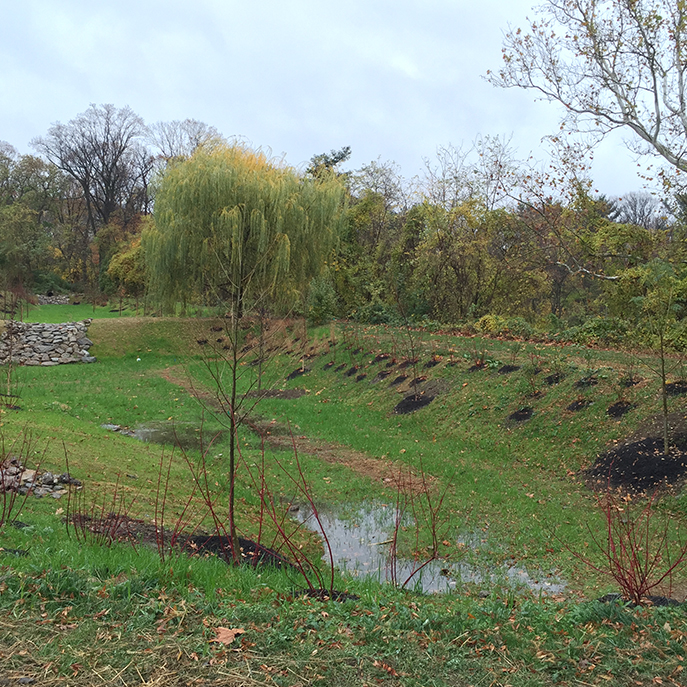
[(225, 635)]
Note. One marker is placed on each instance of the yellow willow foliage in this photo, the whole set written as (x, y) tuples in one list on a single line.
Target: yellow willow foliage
[(234, 224)]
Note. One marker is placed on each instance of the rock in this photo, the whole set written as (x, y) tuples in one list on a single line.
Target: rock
[(44, 344)]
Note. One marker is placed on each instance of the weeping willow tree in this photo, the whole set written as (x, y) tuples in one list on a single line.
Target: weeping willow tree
[(233, 226)]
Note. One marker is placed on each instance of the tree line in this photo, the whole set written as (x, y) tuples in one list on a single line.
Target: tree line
[(111, 206)]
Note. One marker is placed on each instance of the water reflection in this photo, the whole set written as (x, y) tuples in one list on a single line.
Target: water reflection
[(360, 543), (186, 436)]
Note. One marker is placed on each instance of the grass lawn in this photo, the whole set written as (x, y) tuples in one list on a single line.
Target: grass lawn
[(74, 608)]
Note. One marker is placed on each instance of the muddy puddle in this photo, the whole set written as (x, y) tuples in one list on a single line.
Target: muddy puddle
[(360, 541), (187, 436)]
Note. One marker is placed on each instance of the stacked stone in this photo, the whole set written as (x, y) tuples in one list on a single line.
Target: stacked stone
[(27, 343), (15, 477), (53, 300)]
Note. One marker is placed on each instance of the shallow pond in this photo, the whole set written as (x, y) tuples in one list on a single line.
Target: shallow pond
[(360, 543), (186, 436)]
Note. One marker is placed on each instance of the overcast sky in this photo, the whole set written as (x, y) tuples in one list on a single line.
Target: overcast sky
[(392, 79)]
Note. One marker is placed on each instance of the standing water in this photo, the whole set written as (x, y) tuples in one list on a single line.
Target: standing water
[(360, 545)]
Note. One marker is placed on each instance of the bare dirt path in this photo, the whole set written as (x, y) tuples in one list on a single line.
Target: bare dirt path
[(277, 436)]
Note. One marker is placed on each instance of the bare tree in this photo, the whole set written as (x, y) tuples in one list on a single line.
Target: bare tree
[(179, 140), (611, 64), (102, 150), (642, 210)]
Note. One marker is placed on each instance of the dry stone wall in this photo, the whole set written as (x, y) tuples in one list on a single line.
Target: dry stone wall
[(29, 343), (52, 300)]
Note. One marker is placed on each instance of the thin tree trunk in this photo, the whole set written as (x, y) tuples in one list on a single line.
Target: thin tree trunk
[(664, 395), (236, 554)]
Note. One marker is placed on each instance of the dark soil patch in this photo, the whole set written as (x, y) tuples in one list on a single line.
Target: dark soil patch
[(507, 369), (521, 415), (360, 377), (298, 372), (341, 367), (451, 363), (251, 553), (641, 465), (650, 600), (676, 388), (391, 363), (432, 363), (619, 408), (121, 527), (418, 380), (357, 350), (407, 363), (383, 374), (586, 382), (628, 382), (412, 403), (351, 372), (288, 394), (579, 404), (537, 394), (328, 366), (380, 357), (555, 378), (399, 380), (477, 367), (327, 595)]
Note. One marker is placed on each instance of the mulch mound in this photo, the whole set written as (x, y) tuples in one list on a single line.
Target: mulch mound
[(382, 374), (122, 528), (399, 380), (477, 367), (412, 403), (619, 408), (288, 394), (640, 465), (252, 553), (521, 415), (648, 600), (579, 404), (676, 388), (507, 369), (298, 372), (586, 382), (555, 378), (327, 594)]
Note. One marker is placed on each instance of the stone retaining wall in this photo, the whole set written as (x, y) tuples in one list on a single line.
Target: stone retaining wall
[(28, 343), (52, 300)]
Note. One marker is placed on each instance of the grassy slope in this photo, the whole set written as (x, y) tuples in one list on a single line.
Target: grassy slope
[(513, 484)]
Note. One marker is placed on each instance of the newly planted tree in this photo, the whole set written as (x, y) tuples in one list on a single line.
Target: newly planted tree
[(658, 309), (238, 230)]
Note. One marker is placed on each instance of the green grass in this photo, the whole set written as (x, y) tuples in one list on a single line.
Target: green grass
[(517, 485)]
